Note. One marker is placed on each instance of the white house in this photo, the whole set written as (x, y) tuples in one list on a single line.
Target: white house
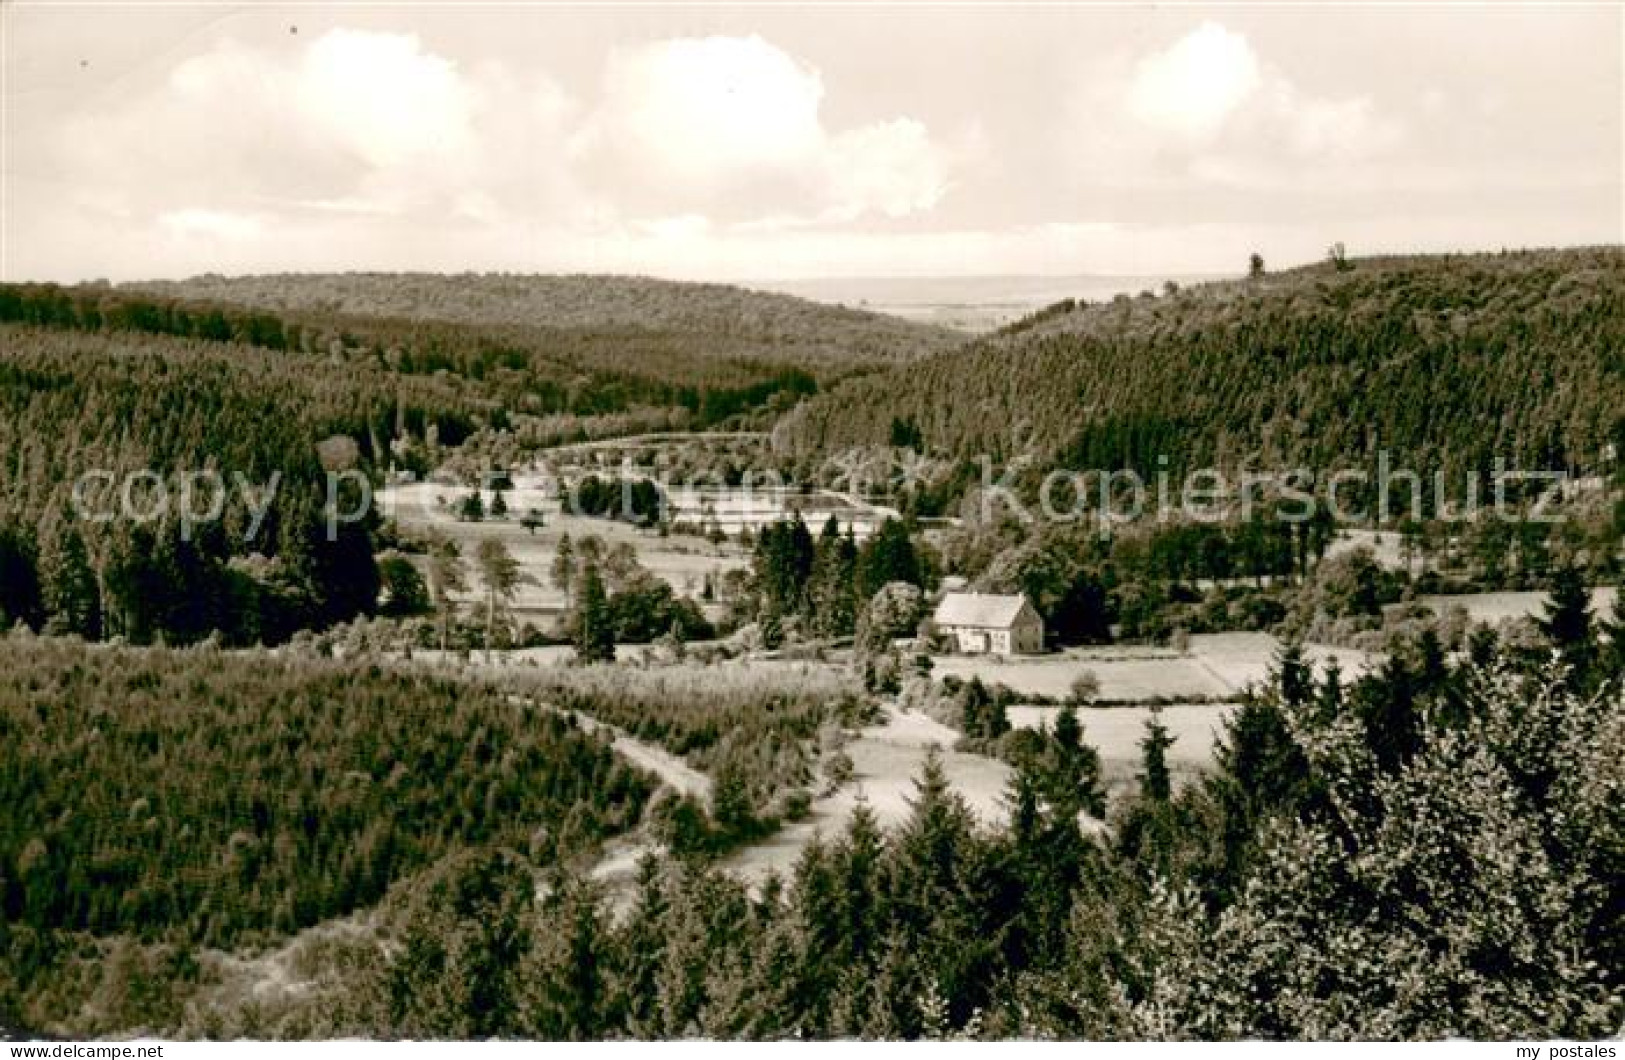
[(990, 623)]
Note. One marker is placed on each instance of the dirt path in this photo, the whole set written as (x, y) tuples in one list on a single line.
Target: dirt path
[(672, 770)]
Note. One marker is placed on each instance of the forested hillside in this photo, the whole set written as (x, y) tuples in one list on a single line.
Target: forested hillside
[(723, 321), (648, 354), (1445, 362), (203, 798), (1432, 850), (115, 409)]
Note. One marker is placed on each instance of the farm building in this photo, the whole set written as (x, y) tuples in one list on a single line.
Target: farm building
[(990, 623)]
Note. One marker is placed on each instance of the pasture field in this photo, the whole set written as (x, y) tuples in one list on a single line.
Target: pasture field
[(1116, 733), (1497, 607), (1217, 667), (682, 560)]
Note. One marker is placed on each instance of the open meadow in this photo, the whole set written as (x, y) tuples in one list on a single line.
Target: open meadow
[(886, 759), (1217, 667), (683, 560), (1498, 607)]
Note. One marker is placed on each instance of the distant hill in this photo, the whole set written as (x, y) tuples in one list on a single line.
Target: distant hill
[(633, 354), (966, 303), (767, 327), (1446, 362)]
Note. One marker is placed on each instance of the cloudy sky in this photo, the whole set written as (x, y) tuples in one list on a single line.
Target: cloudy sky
[(738, 143)]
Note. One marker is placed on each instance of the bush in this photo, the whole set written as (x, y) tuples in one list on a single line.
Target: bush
[(1085, 688)]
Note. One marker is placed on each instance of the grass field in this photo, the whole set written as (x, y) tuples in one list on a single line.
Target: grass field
[(1218, 666), (1384, 546), (1496, 607)]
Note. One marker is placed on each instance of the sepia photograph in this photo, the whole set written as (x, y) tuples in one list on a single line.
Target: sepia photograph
[(658, 523)]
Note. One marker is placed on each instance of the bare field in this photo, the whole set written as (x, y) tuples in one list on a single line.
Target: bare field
[(1384, 546)]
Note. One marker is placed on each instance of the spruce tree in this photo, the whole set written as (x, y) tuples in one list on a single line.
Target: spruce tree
[(1611, 652), (563, 571), (448, 574), (67, 583), (888, 556), (1566, 623), (19, 580), (502, 576), (1155, 783), (832, 595)]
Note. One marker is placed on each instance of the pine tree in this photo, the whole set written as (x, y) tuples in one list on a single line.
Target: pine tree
[(1611, 652), (887, 556), (1294, 676), (782, 564), (448, 574), (1074, 783), (594, 636), (730, 801), (502, 576), (19, 580), (974, 705), (1386, 702), (566, 988), (832, 596)]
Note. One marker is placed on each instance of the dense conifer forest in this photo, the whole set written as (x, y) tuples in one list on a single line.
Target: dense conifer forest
[(202, 798), (724, 354), (120, 382), (1444, 362), (150, 412)]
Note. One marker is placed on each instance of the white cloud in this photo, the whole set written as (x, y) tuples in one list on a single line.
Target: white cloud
[(892, 168), (712, 111), (375, 132), (353, 122), (732, 125), (383, 97), (1209, 108), (1191, 88)]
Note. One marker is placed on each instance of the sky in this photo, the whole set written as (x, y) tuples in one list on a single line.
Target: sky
[(734, 142)]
